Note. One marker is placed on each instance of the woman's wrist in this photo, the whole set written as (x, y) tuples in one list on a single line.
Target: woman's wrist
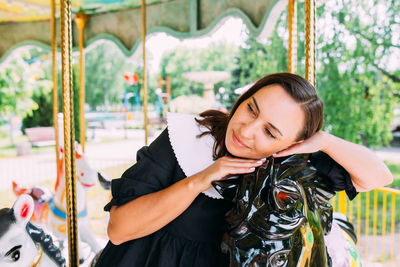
[(197, 183), (326, 142)]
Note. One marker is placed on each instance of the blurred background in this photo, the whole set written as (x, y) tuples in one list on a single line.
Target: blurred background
[(357, 76)]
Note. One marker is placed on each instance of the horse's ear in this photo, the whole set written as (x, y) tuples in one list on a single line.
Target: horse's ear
[(78, 150), (23, 208)]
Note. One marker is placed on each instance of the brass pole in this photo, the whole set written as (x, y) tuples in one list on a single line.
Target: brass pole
[(310, 40), (55, 85), (292, 22), (69, 150), (81, 20), (144, 70)]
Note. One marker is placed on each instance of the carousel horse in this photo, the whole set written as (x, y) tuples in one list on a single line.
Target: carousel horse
[(86, 177), (23, 244), (45, 201), (282, 217)]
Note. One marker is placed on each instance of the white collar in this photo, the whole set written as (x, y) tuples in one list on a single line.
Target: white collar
[(193, 154)]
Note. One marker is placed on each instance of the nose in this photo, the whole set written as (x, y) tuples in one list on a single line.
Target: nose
[(248, 130)]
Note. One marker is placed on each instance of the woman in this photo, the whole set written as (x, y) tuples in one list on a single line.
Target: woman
[(164, 212)]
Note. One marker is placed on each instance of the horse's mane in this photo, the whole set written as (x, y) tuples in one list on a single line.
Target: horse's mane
[(6, 219), (60, 170), (46, 242)]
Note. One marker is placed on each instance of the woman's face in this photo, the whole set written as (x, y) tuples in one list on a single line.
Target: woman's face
[(267, 122)]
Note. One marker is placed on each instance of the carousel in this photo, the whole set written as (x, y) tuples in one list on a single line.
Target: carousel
[(65, 26)]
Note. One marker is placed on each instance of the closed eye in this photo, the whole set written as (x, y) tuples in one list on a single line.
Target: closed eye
[(269, 133), (250, 108), (253, 112)]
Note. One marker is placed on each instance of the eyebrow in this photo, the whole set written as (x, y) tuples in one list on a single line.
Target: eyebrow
[(270, 124), (11, 250)]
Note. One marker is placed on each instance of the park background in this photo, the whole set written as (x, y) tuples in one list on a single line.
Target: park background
[(357, 76)]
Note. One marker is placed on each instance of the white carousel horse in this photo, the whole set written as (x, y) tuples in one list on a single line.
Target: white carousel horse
[(86, 178), (23, 244)]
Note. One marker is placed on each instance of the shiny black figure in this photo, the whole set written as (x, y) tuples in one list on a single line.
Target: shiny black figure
[(281, 213)]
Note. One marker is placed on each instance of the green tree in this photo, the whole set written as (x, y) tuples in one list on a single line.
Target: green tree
[(105, 66), (19, 78), (354, 52), (43, 114)]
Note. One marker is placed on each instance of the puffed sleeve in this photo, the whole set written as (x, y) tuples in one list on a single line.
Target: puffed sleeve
[(152, 172), (337, 176)]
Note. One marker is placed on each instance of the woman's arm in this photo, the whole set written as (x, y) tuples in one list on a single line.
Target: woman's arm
[(366, 170), (149, 213)]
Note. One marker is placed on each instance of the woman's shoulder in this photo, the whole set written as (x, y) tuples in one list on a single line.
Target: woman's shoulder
[(193, 153)]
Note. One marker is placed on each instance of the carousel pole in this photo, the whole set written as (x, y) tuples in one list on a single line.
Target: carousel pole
[(55, 86), (69, 150), (144, 70), (292, 22), (81, 20), (310, 40)]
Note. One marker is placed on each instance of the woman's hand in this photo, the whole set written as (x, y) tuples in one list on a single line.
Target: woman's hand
[(226, 166), (310, 145)]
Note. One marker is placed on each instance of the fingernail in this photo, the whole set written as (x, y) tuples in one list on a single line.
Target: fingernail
[(274, 154), (252, 169), (262, 160)]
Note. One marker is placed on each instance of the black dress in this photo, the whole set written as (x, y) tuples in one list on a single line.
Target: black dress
[(193, 238)]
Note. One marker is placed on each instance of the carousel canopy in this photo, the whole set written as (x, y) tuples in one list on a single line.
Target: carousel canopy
[(28, 21)]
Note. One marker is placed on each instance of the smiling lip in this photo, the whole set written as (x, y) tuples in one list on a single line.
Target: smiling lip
[(237, 141)]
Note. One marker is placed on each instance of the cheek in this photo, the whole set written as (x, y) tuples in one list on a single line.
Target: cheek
[(267, 148)]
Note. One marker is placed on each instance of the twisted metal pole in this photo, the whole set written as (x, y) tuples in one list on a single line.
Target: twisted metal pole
[(310, 40), (144, 70), (55, 85), (292, 22), (69, 149)]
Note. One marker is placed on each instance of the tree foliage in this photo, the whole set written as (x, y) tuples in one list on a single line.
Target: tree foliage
[(18, 80), (355, 49), (104, 69)]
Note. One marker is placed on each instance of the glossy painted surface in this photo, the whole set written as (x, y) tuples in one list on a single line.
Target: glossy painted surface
[(280, 216)]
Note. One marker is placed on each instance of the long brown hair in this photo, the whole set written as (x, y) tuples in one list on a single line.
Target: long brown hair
[(297, 87)]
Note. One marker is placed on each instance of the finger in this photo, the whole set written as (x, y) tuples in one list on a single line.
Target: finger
[(243, 164), (288, 151), (240, 170), (229, 159)]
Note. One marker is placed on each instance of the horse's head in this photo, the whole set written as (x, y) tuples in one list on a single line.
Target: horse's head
[(22, 243), (280, 216), (16, 246), (85, 174)]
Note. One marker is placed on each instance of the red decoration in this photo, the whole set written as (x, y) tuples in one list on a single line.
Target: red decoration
[(131, 78), (24, 210)]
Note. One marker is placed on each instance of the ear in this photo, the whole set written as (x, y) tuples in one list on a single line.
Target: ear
[(23, 209), (78, 150)]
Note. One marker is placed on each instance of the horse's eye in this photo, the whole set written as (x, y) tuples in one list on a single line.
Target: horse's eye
[(279, 259), (285, 200), (15, 255)]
